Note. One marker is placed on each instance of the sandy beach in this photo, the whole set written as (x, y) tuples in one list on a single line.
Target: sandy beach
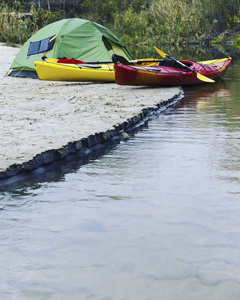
[(38, 116)]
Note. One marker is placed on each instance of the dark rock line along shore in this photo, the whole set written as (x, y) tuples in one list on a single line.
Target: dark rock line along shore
[(43, 122), (85, 145)]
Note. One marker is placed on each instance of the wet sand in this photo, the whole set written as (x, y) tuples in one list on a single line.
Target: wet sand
[(38, 117)]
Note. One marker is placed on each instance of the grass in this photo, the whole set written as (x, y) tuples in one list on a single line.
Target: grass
[(176, 22)]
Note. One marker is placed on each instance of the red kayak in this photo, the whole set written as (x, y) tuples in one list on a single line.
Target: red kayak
[(171, 73)]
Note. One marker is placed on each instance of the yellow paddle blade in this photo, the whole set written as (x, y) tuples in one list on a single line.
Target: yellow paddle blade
[(204, 78), (160, 52)]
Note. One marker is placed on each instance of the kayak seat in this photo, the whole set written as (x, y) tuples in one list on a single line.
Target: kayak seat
[(171, 64)]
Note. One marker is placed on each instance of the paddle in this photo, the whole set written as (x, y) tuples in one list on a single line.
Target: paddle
[(115, 59), (86, 65), (120, 59), (74, 61), (199, 76)]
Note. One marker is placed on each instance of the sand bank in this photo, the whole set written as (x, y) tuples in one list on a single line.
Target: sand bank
[(43, 121)]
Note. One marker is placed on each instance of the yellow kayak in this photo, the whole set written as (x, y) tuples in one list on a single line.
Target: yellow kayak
[(75, 70), (54, 71)]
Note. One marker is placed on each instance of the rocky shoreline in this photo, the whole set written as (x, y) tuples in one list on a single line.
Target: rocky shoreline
[(43, 122)]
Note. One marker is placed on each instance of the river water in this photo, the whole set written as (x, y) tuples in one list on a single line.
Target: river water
[(154, 217)]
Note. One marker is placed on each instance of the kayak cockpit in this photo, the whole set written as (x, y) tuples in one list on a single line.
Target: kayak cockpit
[(173, 64)]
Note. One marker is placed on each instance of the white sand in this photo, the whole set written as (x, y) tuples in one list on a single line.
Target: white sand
[(36, 116)]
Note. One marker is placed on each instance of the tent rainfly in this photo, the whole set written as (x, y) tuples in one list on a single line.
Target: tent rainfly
[(68, 38)]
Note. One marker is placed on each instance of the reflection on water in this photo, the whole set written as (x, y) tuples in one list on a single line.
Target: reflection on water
[(154, 217)]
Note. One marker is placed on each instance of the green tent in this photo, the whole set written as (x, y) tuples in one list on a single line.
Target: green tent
[(68, 38)]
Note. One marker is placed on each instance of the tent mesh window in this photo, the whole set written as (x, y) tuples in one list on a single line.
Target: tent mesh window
[(41, 46)]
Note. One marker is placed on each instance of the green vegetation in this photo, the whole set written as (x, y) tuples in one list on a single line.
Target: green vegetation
[(172, 21), (133, 21)]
